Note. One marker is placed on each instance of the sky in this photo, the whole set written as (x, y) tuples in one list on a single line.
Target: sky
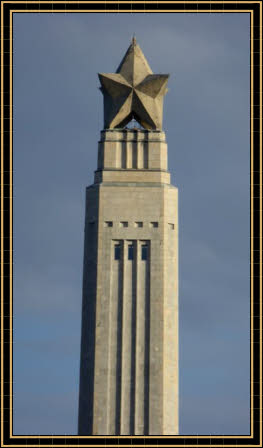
[(58, 115)]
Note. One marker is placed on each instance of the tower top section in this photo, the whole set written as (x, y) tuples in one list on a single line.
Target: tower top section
[(133, 92)]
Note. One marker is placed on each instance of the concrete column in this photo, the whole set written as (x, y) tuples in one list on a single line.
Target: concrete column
[(129, 150), (115, 293), (156, 338), (142, 321), (126, 343)]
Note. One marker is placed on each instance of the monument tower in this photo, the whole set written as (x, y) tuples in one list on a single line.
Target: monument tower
[(129, 343)]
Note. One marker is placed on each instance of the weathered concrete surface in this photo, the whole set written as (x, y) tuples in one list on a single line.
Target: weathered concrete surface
[(129, 346), (129, 355), (133, 91)]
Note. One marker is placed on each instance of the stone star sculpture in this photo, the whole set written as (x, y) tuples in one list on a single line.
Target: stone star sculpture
[(133, 92)]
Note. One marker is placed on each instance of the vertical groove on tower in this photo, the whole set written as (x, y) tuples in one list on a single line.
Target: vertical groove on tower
[(134, 155), (147, 342), (133, 338), (126, 343), (145, 155), (119, 344), (140, 318), (123, 155)]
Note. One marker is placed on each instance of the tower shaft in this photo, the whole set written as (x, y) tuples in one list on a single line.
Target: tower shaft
[(129, 348)]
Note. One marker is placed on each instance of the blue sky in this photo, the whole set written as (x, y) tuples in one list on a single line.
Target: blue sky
[(58, 114)]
